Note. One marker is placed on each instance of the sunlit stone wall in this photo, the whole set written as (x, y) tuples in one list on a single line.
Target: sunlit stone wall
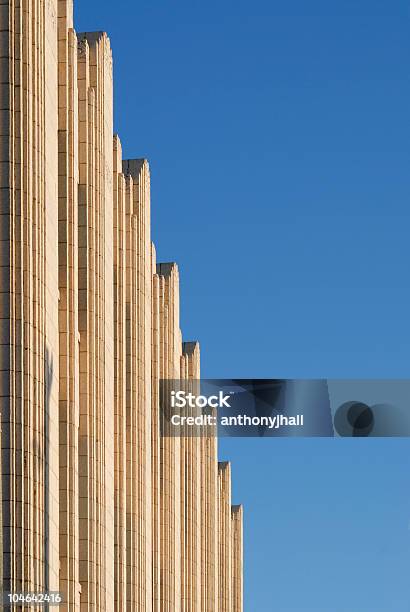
[(95, 503)]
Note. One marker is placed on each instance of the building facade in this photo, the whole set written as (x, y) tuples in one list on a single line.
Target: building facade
[(95, 502)]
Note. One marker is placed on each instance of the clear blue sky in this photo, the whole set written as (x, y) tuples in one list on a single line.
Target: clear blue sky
[(278, 137)]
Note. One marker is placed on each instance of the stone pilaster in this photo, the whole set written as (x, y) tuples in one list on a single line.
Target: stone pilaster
[(237, 558), (170, 483), (225, 538), (68, 302), (96, 322), (139, 342), (120, 526), (28, 294), (191, 493)]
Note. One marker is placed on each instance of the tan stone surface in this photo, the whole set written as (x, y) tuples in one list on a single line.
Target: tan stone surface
[(28, 295), (68, 274), (138, 426), (120, 388), (237, 558), (191, 498), (225, 538), (95, 502), (170, 448)]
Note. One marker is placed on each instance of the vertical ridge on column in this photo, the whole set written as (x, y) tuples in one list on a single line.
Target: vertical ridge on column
[(68, 306), (170, 482), (139, 308), (155, 437), (51, 283), (120, 546), (209, 521), (191, 486), (225, 539), (237, 558), (96, 320)]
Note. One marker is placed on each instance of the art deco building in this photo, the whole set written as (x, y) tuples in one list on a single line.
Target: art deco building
[(95, 502)]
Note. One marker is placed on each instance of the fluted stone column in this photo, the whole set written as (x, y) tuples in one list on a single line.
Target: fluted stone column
[(170, 492), (68, 301), (237, 558), (96, 323), (209, 521), (155, 438), (139, 407), (29, 294), (225, 538), (120, 527), (191, 489)]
